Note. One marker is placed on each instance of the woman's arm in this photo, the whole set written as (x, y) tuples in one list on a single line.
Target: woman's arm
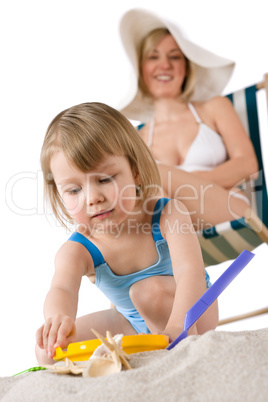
[(60, 306), (242, 162), (187, 263)]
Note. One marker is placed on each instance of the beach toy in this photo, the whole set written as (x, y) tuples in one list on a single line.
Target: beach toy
[(212, 294), (80, 351)]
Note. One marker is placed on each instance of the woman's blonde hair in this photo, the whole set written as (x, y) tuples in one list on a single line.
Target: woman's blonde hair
[(146, 45), (86, 133)]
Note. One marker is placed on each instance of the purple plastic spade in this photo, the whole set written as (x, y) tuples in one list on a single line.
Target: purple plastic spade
[(212, 293)]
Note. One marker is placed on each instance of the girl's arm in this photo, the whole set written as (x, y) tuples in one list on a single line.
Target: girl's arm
[(187, 263), (60, 306), (242, 162)]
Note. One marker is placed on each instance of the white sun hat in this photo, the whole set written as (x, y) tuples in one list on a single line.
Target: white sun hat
[(212, 72)]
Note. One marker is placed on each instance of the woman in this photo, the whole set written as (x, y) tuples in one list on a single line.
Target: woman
[(196, 137)]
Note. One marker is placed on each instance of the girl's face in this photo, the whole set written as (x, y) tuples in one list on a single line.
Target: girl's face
[(101, 198), (164, 69)]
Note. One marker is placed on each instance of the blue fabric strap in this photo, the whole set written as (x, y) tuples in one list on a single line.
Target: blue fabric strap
[(95, 253), (156, 218), (139, 127)]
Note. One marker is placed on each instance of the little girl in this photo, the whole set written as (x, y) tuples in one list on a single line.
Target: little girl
[(100, 176)]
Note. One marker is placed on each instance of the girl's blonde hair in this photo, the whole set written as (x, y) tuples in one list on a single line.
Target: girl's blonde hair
[(86, 133), (146, 45)]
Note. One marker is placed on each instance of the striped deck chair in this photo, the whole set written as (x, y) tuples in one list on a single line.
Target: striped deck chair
[(227, 240)]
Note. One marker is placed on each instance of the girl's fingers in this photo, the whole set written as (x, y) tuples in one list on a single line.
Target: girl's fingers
[(39, 337), (66, 333), (53, 333), (57, 331), (46, 331)]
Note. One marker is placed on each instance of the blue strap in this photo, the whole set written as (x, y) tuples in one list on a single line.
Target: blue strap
[(139, 127), (156, 218), (95, 253)]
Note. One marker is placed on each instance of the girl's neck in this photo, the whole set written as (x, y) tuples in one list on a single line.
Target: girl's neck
[(168, 109)]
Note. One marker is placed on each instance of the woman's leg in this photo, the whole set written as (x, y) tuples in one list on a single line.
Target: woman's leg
[(153, 298), (102, 321), (207, 203)]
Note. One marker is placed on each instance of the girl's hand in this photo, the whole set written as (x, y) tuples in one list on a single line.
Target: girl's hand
[(174, 332), (57, 331)]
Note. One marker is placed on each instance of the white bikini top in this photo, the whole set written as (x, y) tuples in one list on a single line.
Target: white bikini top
[(206, 151)]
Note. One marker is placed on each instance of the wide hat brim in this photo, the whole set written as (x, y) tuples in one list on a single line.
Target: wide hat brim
[(212, 72)]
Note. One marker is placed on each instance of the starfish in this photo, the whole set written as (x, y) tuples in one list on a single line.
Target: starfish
[(69, 367)]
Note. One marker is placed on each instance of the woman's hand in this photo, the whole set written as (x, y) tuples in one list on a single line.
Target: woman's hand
[(57, 331)]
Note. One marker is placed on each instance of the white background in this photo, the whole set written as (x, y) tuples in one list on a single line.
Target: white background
[(55, 54)]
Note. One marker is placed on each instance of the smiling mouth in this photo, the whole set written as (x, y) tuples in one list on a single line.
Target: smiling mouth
[(163, 78), (102, 214)]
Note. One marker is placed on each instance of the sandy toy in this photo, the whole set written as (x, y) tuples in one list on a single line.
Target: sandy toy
[(80, 351), (108, 358)]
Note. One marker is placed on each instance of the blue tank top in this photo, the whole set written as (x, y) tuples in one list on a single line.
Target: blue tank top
[(116, 287)]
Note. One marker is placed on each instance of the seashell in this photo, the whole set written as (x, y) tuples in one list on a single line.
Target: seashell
[(103, 350), (101, 366)]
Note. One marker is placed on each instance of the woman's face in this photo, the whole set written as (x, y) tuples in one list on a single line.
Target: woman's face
[(164, 69)]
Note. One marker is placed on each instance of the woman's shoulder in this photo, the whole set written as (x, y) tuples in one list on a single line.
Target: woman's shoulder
[(213, 103), (219, 104), (215, 107)]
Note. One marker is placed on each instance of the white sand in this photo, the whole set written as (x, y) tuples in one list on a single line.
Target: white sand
[(217, 366)]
